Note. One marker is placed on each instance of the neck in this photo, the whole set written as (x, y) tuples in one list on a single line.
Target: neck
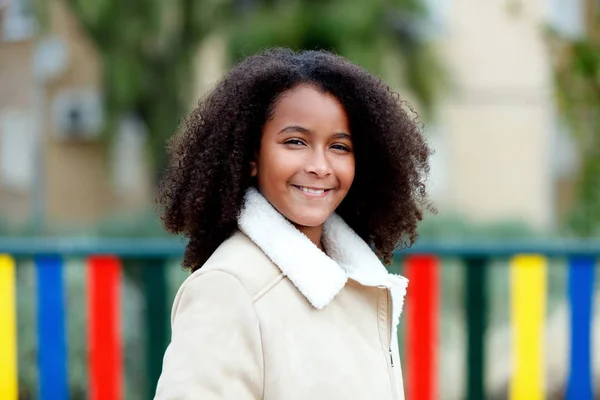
[(313, 233)]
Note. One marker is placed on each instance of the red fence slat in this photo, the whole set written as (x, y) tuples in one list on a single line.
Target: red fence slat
[(106, 366), (421, 335)]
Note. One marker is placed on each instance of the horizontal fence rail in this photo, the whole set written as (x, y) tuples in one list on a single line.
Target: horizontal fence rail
[(103, 260), (152, 248)]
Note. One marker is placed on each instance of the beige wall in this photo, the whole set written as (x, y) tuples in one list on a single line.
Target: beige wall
[(15, 78), (78, 185), (77, 175), (497, 122)]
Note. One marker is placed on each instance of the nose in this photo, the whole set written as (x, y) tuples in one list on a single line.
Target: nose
[(318, 164)]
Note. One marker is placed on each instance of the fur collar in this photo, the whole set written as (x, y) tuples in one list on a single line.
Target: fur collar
[(318, 276)]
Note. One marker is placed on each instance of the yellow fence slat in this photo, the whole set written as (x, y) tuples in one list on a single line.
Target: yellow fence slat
[(8, 328), (528, 307)]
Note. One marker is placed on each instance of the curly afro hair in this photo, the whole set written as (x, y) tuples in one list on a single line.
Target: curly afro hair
[(202, 191)]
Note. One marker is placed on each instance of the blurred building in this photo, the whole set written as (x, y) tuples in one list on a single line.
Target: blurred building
[(53, 163), (500, 152)]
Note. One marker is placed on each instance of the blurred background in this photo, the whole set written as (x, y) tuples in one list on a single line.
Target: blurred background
[(508, 92)]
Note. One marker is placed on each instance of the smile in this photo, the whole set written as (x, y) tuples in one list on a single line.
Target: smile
[(312, 191)]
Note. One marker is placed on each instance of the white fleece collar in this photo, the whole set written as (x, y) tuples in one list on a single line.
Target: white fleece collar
[(318, 276)]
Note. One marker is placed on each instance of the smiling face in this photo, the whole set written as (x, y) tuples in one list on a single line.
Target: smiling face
[(305, 165)]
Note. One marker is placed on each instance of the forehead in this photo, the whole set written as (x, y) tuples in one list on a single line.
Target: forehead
[(308, 104)]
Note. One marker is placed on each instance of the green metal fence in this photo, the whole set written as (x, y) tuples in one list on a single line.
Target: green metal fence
[(89, 318)]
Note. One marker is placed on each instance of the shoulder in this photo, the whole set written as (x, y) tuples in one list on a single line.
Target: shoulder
[(239, 258)]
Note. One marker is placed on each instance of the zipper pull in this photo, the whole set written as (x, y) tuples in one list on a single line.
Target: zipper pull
[(391, 358)]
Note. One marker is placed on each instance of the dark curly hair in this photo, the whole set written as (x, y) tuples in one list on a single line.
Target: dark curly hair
[(202, 191)]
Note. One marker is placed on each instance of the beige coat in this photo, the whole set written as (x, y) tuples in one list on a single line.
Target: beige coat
[(270, 316)]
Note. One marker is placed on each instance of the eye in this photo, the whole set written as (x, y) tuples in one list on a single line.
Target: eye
[(294, 142), (341, 147)]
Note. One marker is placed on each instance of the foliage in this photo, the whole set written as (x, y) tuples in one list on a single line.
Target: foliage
[(378, 35), (144, 224), (148, 46), (577, 78), (459, 227), (147, 49), (9, 227)]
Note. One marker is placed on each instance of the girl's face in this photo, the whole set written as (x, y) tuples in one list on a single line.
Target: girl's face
[(305, 165)]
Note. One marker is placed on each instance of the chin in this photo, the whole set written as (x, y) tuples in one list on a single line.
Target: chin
[(311, 221)]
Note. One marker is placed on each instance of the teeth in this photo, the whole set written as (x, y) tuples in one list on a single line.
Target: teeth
[(312, 191)]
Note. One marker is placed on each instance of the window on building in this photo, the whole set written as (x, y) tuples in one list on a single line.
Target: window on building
[(17, 147), (129, 162), (438, 11), (439, 173), (19, 21), (567, 17)]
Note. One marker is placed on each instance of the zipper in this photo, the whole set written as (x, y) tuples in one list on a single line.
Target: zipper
[(391, 330)]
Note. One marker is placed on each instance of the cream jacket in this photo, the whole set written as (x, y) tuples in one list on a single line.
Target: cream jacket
[(270, 316)]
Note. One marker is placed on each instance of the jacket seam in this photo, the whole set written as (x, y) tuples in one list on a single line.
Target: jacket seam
[(262, 349), (259, 295), (268, 287)]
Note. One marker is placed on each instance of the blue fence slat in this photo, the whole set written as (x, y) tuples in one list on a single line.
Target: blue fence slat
[(581, 290), (52, 353)]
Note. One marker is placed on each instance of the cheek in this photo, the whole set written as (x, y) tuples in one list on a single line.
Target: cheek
[(345, 173), (275, 167)]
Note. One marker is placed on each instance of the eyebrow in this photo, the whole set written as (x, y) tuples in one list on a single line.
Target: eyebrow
[(296, 128), (342, 135)]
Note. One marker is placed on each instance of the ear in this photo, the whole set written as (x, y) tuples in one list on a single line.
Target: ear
[(254, 165)]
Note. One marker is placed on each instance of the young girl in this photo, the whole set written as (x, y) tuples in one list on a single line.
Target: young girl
[(292, 179)]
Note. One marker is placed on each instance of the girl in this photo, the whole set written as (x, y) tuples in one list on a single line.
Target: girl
[(292, 179)]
